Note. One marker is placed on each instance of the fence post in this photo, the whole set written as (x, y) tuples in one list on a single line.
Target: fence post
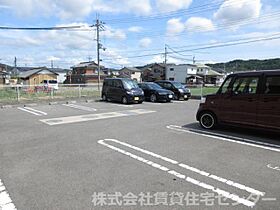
[(18, 94), (80, 94), (52, 92)]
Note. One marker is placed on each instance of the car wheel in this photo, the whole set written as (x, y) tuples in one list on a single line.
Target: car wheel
[(124, 100), (104, 97), (208, 120), (153, 98)]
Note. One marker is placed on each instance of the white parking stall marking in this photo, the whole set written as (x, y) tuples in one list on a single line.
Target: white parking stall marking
[(84, 108), (273, 167), (228, 138), (92, 117), (183, 176), (33, 111), (156, 104), (122, 105), (179, 102), (6, 202)]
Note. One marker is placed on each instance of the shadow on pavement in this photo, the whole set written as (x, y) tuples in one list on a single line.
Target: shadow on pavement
[(257, 135)]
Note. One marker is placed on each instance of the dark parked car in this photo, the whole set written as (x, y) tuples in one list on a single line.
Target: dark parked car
[(122, 90), (180, 92), (153, 92), (248, 99)]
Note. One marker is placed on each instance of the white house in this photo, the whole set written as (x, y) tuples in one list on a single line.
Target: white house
[(209, 75), (181, 72), (62, 73), (131, 72)]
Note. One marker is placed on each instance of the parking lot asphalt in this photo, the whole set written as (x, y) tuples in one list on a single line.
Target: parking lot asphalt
[(143, 156)]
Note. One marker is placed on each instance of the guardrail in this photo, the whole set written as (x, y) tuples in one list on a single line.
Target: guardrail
[(18, 93)]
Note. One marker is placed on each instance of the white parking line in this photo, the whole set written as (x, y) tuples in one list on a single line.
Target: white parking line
[(156, 104), (121, 105), (6, 202), (32, 111), (84, 108), (273, 167), (92, 117), (182, 176), (179, 102), (243, 141)]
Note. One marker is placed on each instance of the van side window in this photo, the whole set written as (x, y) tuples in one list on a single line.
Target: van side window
[(117, 84), (272, 85), (226, 88), (245, 85), (110, 82)]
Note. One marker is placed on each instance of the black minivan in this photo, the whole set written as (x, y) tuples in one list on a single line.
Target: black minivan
[(122, 90)]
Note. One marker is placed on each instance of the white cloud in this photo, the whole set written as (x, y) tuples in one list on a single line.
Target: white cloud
[(199, 24), (115, 57), (145, 42), (172, 5), (135, 29), (111, 33), (73, 8), (233, 12), (29, 7), (76, 10), (53, 58), (137, 7), (175, 26)]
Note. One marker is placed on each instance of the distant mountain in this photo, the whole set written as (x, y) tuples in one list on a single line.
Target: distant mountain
[(248, 65)]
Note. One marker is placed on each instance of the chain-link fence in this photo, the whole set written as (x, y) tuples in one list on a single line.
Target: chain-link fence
[(26, 93)]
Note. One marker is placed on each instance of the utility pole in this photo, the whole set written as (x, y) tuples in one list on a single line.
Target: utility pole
[(52, 64), (15, 62), (194, 59), (165, 56), (165, 60), (99, 27)]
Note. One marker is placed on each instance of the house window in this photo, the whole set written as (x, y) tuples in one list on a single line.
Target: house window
[(133, 72), (171, 78), (171, 69)]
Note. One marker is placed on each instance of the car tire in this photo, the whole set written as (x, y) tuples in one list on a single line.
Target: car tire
[(104, 97), (208, 120), (124, 100), (153, 98)]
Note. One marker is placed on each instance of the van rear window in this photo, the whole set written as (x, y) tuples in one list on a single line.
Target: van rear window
[(272, 85)]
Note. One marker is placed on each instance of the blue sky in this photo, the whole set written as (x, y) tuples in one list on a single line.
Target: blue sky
[(138, 28)]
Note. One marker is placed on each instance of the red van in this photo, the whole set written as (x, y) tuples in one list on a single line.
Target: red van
[(247, 99)]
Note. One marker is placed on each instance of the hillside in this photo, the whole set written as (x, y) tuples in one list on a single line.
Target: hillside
[(247, 65)]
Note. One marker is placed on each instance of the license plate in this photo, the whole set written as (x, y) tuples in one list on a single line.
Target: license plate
[(136, 98), (170, 96), (185, 96)]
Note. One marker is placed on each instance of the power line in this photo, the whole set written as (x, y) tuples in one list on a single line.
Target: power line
[(222, 26), (189, 12), (225, 44), (42, 28)]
